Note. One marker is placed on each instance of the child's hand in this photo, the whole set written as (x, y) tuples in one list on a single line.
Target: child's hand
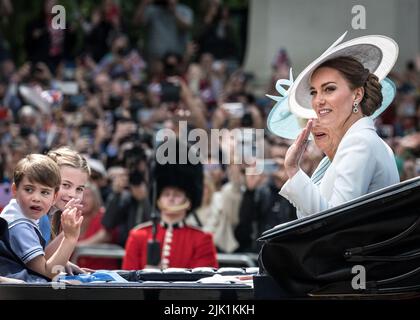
[(71, 223), (75, 203), (72, 269)]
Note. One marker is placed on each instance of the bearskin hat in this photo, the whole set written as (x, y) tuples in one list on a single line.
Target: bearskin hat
[(187, 177)]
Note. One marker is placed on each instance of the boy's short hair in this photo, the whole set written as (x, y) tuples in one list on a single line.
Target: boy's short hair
[(38, 168), (64, 156)]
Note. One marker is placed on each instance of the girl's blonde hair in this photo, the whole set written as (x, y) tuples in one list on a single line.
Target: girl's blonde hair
[(64, 156)]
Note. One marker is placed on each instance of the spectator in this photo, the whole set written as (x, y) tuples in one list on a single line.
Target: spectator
[(179, 191), (168, 24), (229, 199), (46, 44), (92, 232), (217, 34), (262, 207), (126, 209), (97, 31)]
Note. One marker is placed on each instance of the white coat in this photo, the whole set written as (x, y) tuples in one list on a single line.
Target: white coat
[(362, 164)]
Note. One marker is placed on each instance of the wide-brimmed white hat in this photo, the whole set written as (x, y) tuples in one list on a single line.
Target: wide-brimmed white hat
[(376, 52), (285, 124)]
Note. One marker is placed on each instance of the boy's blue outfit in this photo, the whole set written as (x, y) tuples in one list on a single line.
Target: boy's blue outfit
[(25, 236), (20, 242), (45, 228)]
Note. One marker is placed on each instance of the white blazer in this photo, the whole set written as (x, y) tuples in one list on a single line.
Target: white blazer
[(362, 164)]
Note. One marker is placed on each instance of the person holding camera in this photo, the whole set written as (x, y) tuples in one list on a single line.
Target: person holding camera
[(45, 43), (127, 207), (261, 207), (168, 23), (177, 102)]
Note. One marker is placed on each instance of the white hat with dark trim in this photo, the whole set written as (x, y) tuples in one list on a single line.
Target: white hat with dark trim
[(283, 123), (376, 52)]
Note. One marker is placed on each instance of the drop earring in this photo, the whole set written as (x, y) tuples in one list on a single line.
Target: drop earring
[(355, 109)]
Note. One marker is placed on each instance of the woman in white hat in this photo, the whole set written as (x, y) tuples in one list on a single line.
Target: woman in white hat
[(342, 89)]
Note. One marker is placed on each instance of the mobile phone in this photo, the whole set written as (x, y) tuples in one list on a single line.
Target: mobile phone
[(170, 92), (235, 109)]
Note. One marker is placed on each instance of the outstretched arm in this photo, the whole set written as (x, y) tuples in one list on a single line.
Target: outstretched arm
[(58, 260)]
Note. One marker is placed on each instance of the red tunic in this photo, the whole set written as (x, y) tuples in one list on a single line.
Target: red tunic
[(187, 247)]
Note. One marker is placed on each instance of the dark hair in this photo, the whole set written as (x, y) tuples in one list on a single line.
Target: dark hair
[(38, 168), (358, 76), (136, 178)]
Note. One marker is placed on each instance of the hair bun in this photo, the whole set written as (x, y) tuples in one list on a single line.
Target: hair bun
[(373, 95)]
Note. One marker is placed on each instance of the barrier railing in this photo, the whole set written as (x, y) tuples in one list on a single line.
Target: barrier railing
[(115, 251)]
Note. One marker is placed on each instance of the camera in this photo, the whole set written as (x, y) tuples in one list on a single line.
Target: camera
[(247, 120), (170, 92)]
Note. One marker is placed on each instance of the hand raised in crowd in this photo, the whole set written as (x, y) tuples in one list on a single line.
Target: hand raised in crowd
[(22, 72), (101, 132), (220, 115), (83, 144), (296, 150), (193, 105), (124, 129), (178, 81), (45, 72)]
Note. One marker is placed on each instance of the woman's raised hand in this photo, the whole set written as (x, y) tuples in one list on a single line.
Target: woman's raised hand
[(296, 150)]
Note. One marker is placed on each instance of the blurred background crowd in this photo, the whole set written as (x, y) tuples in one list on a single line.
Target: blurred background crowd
[(116, 75)]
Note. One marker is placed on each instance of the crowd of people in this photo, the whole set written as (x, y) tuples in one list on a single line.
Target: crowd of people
[(109, 101)]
